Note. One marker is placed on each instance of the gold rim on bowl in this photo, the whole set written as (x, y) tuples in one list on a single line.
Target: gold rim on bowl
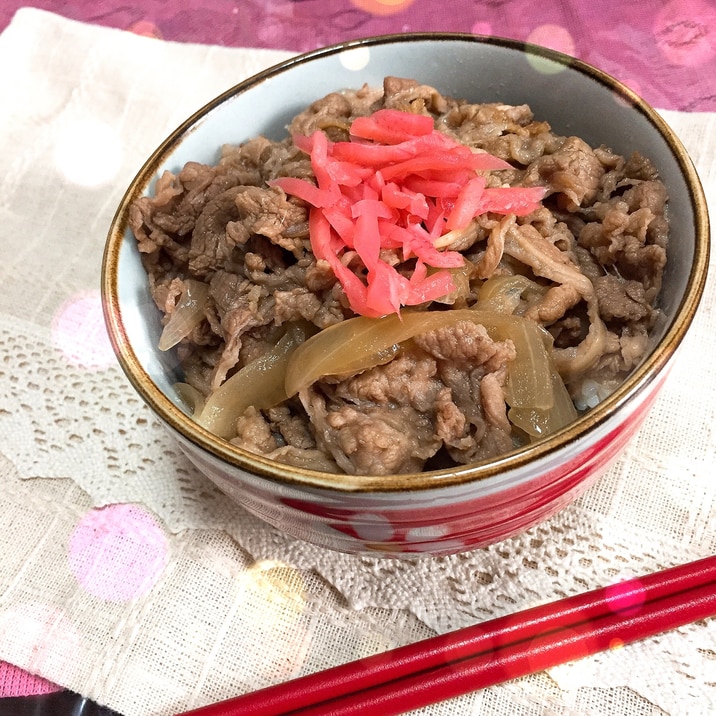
[(649, 369)]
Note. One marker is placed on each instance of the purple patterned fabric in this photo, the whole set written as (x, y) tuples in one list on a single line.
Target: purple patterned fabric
[(664, 49)]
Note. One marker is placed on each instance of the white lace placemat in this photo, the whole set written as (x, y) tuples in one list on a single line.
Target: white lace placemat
[(126, 576)]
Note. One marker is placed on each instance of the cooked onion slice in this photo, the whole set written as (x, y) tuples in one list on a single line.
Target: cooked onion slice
[(527, 245), (345, 348), (190, 396), (504, 293), (537, 422), (529, 382), (187, 314), (361, 343), (260, 384)]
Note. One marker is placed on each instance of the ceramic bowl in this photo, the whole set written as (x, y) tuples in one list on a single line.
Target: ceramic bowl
[(446, 511)]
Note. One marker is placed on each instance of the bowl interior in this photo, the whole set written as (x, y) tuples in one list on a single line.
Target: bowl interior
[(574, 98)]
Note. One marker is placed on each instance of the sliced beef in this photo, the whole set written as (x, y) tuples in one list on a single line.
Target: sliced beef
[(507, 131), (595, 253), (372, 439), (573, 171), (211, 243), (332, 114), (622, 300), (410, 96), (267, 212), (443, 393), (628, 234)]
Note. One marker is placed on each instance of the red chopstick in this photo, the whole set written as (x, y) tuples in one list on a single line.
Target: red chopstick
[(468, 659), (515, 660)]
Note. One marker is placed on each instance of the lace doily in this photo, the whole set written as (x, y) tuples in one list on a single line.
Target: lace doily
[(88, 426)]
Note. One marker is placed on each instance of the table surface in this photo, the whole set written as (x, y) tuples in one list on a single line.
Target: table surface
[(666, 51)]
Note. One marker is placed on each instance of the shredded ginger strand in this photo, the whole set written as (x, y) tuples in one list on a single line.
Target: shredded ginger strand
[(398, 184)]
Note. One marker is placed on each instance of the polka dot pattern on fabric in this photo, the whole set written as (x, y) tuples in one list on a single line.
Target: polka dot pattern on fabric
[(87, 152), (482, 27), (118, 552), (382, 7), (278, 593), (40, 636), (146, 28), (78, 332), (355, 59), (555, 37)]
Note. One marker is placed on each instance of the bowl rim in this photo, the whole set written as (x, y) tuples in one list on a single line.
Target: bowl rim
[(648, 371)]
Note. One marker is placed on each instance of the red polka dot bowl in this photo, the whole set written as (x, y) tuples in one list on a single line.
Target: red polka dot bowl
[(443, 511)]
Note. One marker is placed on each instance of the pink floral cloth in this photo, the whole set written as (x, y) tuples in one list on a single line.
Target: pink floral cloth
[(663, 49)]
